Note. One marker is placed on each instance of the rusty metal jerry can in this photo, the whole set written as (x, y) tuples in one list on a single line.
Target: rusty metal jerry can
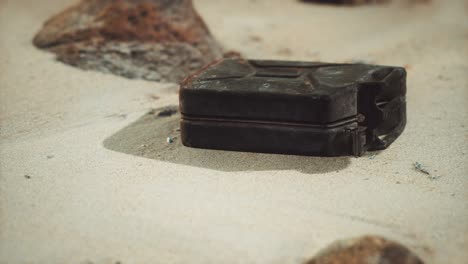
[(305, 108)]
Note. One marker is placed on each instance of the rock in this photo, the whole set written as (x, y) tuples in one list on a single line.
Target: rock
[(158, 40), (363, 2), (366, 250), (168, 111), (348, 2)]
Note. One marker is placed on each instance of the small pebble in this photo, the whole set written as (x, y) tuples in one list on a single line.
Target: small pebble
[(419, 167), (153, 96), (27, 176), (168, 111), (432, 178), (50, 156)]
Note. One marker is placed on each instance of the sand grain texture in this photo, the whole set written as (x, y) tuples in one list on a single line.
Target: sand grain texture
[(88, 200)]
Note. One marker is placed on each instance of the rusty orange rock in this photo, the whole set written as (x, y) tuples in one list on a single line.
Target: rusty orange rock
[(348, 2), (161, 40), (366, 250)]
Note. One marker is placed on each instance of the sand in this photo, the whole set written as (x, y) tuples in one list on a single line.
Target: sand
[(86, 175)]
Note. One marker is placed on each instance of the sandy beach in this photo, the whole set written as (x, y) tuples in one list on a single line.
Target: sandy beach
[(86, 174)]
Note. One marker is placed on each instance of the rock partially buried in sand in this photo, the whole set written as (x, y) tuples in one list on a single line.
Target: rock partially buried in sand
[(158, 40), (347, 2), (366, 250), (363, 2)]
